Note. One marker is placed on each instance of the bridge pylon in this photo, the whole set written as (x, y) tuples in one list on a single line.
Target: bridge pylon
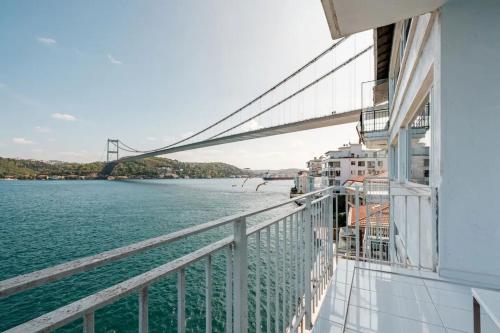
[(112, 150)]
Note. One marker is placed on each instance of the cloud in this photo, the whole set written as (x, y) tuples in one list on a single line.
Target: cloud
[(150, 138), (46, 41), (113, 60), (41, 129), (63, 116), (22, 141)]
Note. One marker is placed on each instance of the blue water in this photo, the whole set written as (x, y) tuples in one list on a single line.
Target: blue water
[(43, 223)]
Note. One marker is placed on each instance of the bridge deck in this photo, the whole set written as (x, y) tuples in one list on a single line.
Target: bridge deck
[(319, 122)]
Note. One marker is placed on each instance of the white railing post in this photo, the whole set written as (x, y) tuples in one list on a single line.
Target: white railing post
[(308, 243), (88, 323), (240, 276), (229, 290), (143, 310), (356, 203), (181, 301), (330, 231), (392, 234)]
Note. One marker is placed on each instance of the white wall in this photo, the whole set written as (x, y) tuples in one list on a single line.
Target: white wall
[(469, 218)]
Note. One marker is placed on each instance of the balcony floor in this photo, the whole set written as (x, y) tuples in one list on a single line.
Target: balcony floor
[(392, 299)]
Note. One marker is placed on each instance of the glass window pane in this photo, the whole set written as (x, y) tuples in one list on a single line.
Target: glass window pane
[(420, 142)]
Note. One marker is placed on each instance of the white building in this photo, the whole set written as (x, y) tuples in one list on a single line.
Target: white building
[(435, 108), (314, 166), (351, 160)]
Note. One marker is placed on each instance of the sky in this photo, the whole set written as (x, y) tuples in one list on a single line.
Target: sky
[(74, 73)]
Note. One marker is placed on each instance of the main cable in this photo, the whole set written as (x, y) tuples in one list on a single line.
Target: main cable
[(309, 63)]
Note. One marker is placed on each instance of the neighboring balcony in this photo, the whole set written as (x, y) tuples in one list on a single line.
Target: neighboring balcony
[(373, 127)]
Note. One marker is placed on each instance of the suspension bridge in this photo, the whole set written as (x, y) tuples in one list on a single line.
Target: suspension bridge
[(328, 90)]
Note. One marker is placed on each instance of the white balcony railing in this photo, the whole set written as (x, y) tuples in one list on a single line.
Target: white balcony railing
[(292, 265), (297, 252)]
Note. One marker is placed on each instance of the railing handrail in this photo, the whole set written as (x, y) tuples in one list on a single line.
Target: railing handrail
[(34, 279), (91, 303)]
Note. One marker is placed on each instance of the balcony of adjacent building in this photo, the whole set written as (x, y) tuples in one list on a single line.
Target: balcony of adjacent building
[(373, 126)]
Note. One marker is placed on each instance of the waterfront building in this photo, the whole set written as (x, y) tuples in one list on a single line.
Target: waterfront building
[(314, 166), (351, 160)]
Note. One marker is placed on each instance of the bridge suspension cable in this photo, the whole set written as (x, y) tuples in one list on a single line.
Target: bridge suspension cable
[(309, 85), (232, 114), (256, 114)]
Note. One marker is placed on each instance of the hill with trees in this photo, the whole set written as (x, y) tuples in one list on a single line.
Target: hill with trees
[(156, 167)]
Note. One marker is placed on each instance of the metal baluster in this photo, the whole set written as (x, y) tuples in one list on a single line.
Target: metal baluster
[(284, 275), (418, 221), (240, 292), (317, 256), (392, 236), (337, 231), (208, 295), (302, 259), (89, 323), (313, 256), (229, 289), (268, 280), (276, 280), (307, 265), (297, 272), (290, 269), (181, 301), (143, 310), (406, 231), (330, 233), (257, 284), (357, 224)]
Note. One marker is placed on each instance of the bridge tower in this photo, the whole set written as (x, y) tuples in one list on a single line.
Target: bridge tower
[(112, 149)]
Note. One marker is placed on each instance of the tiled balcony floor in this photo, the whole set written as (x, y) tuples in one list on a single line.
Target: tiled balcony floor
[(391, 299)]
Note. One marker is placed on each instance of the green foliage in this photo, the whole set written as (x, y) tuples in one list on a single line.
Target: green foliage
[(146, 168)]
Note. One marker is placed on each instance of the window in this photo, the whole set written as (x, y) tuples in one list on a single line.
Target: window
[(380, 163), (330, 183), (361, 172), (353, 162), (361, 163), (419, 136), (336, 164), (337, 182), (394, 163), (371, 164), (337, 173)]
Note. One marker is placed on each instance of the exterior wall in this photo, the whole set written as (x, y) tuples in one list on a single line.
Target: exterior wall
[(452, 55), (469, 224), (412, 204)]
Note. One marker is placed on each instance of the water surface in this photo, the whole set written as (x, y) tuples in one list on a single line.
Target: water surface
[(43, 223)]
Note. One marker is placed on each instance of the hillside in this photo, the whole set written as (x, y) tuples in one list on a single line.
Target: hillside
[(148, 168)]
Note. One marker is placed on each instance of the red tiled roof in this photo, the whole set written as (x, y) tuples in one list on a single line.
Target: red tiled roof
[(379, 213)]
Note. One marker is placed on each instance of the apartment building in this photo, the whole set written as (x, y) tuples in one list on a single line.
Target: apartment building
[(433, 97), (351, 160), (314, 166)]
